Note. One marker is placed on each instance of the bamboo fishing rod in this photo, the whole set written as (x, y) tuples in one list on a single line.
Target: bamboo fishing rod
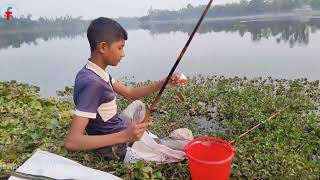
[(268, 119), (157, 99), (182, 98), (256, 126)]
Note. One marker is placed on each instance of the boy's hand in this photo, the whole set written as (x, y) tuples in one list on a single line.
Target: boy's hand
[(173, 82), (135, 131)]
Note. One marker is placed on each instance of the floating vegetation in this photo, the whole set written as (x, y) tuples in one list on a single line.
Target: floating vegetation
[(287, 146)]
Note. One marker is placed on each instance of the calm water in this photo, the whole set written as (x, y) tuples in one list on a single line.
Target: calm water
[(279, 49)]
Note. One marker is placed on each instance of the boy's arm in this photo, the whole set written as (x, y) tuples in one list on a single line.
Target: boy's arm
[(138, 92), (76, 140)]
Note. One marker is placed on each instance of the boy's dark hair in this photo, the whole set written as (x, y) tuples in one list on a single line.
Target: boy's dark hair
[(105, 30)]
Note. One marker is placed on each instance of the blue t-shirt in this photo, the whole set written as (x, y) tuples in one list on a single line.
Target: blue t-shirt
[(95, 99)]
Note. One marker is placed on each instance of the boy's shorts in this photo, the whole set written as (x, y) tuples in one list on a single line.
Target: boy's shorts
[(136, 111), (116, 152)]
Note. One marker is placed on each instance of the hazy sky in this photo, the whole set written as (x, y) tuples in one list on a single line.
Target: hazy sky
[(93, 8)]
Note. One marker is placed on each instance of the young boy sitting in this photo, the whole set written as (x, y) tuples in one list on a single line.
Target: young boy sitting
[(95, 97)]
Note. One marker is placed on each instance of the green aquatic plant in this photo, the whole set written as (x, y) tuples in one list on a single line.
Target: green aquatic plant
[(287, 146)]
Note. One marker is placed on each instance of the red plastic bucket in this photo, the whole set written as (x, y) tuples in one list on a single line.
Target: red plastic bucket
[(209, 158)]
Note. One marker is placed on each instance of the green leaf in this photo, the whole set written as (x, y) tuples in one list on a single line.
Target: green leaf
[(34, 136), (36, 105), (140, 164), (53, 124)]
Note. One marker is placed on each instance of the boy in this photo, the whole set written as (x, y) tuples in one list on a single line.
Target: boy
[(94, 97)]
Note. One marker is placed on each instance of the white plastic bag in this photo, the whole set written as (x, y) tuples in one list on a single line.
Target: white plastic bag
[(148, 149)]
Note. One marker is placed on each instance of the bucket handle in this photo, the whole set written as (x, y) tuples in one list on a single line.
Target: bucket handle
[(208, 138)]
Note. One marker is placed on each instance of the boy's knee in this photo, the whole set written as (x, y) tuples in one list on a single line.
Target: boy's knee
[(139, 103), (139, 110)]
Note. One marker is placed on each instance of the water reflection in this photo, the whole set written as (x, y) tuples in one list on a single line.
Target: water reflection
[(14, 36), (292, 32), (53, 64), (15, 40)]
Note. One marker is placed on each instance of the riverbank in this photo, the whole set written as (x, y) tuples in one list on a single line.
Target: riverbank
[(287, 146)]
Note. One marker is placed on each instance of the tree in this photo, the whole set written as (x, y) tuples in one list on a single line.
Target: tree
[(189, 6), (29, 16), (150, 11), (315, 4), (256, 6)]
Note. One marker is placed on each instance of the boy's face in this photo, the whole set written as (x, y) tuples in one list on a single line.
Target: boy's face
[(112, 54)]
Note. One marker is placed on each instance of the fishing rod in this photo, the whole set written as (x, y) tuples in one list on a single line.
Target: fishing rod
[(157, 99), (271, 117), (183, 99), (28, 176), (256, 126)]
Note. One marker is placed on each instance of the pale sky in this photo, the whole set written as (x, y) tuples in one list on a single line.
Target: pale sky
[(90, 9)]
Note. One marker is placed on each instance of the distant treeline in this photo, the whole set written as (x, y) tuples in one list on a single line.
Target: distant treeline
[(25, 29), (234, 9), (24, 23), (67, 23), (21, 30)]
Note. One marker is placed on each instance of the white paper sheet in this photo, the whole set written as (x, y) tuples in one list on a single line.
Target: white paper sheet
[(54, 166)]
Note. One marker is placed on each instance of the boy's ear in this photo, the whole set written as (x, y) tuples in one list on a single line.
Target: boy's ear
[(102, 47)]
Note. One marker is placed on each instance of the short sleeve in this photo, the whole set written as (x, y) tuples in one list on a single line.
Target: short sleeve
[(87, 100), (111, 79)]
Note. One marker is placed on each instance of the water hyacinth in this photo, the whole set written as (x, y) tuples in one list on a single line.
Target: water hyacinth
[(287, 146)]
